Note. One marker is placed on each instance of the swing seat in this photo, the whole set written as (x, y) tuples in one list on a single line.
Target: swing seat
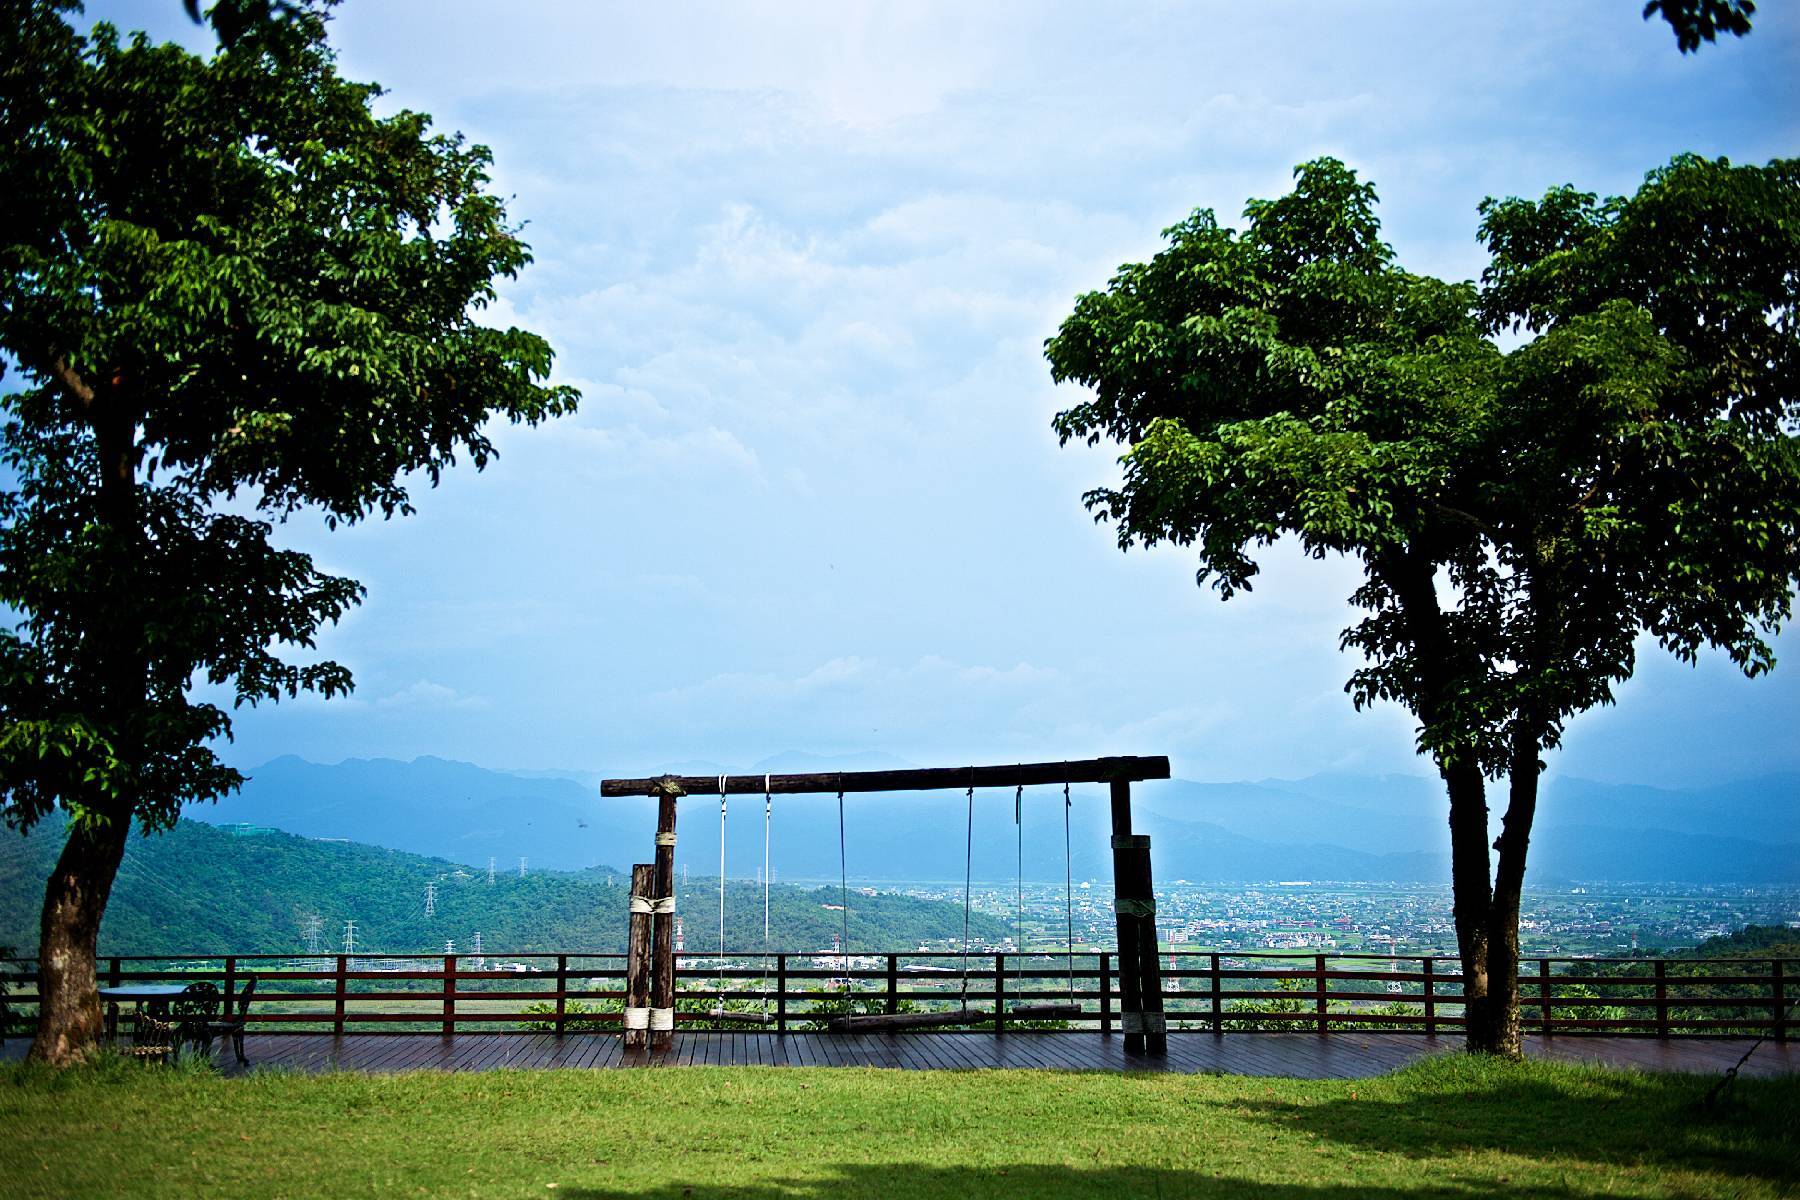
[(1042, 1012), (887, 1022), (741, 1018)]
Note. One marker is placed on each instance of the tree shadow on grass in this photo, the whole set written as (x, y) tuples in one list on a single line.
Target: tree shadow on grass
[(1626, 1119), (844, 1181)]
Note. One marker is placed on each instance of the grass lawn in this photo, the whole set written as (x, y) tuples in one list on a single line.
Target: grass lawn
[(1445, 1127)]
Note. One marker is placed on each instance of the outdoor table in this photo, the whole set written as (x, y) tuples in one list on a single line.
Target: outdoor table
[(155, 995)]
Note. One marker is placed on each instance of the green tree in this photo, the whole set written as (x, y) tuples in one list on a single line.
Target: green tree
[(1696, 21), (1521, 517), (231, 293)]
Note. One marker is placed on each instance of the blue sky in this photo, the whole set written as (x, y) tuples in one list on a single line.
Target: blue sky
[(802, 258)]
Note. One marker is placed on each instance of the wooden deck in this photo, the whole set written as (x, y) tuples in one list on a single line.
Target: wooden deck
[(1344, 1055)]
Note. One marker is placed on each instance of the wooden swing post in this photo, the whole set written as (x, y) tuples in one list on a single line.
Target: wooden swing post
[(662, 937)]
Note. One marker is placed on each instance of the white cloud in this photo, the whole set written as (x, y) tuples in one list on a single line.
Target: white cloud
[(426, 695)]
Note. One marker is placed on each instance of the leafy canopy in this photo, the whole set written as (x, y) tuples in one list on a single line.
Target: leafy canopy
[(1521, 516), (1695, 21), (229, 291)]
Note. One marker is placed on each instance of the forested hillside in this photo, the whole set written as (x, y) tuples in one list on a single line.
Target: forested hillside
[(203, 889), (1752, 941)]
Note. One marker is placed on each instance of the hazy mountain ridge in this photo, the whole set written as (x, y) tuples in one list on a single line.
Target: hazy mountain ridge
[(200, 889), (1320, 827)]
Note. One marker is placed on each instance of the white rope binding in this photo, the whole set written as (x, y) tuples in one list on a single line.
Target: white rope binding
[(637, 1018), (641, 904), (662, 1019), (665, 839)]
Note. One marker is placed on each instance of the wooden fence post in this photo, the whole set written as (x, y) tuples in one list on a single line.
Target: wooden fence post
[(1319, 1003), (337, 1022), (893, 984), (1430, 998), (637, 958), (230, 982), (1106, 995), (449, 1022), (1776, 983), (781, 991), (562, 991), (999, 994), (112, 1008), (1218, 1013), (1662, 998), (1544, 993)]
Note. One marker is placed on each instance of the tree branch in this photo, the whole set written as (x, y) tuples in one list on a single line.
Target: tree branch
[(72, 382)]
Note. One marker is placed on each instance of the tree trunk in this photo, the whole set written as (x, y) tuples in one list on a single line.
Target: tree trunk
[(1443, 674), (1471, 895), (69, 1013), (1495, 1027), (69, 1016)]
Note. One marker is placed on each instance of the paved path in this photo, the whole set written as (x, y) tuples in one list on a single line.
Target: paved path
[(1344, 1055)]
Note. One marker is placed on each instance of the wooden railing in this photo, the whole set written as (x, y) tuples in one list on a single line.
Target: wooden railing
[(1222, 992)]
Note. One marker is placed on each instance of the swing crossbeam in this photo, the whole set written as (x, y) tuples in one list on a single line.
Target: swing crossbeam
[(1127, 769), (741, 1018)]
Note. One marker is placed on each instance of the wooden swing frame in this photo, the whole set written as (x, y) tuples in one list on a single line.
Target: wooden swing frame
[(650, 972)]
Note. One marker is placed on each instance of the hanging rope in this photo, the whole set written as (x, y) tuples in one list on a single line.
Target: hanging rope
[(1068, 887), (843, 891), (721, 964), (968, 877), (768, 809)]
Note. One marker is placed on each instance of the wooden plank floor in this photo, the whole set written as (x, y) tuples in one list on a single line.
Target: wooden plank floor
[(1343, 1055)]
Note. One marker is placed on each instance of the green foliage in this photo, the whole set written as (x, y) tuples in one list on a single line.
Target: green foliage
[(1282, 1002), (1752, 941), (1627, 469), (231, 291), (577, 1016), (1695, 21)]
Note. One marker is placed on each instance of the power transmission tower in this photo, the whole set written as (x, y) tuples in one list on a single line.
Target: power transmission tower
[(480, 962), (521, 866), (450, 947), (310, 928), (431, 899), (490, 868), (349, 937)]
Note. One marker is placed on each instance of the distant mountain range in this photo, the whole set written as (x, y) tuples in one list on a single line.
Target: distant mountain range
[(1324, 827), (200, 889)]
